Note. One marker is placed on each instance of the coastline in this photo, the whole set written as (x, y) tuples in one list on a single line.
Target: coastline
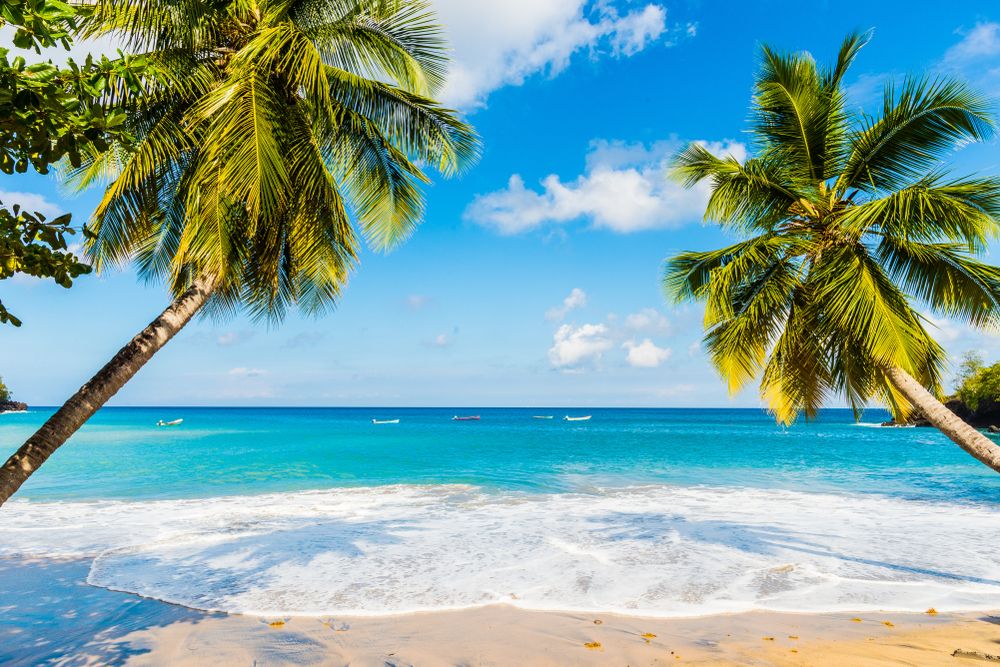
[(50, 611)]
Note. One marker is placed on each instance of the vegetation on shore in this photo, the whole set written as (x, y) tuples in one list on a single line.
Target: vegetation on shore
[(978, 384), (850, 228)]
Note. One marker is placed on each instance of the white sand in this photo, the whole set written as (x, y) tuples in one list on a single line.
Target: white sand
[(502, 635)]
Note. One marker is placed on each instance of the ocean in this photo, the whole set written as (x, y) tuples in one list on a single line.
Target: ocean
[(313, 511)]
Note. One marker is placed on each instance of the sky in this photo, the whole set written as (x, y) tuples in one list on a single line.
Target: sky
[(534, 279)]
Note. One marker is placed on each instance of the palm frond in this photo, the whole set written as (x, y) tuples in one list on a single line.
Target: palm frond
[(920, 123), (946, 278)]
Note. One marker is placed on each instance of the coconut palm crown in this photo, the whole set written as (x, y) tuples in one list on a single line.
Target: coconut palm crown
[(851, 230), (275, 129), (269, 135)]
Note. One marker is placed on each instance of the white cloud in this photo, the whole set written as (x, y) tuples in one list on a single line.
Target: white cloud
[(502, 43), (648, 320), (694, 349), (243, 372), (577, 299), (983, 41), (30, 202), (624, 188), (947, 330), (441, 340), (633, 31), (573, 346), (645, 354), (417, 301)]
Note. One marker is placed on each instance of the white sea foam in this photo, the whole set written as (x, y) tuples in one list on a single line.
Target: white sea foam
[(653, 550)]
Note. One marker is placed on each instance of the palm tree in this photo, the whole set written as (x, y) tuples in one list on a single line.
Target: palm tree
[(850, 228), (274, 133)]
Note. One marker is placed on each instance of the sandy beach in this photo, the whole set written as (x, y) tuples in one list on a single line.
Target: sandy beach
[(500, 635), (59, 619)]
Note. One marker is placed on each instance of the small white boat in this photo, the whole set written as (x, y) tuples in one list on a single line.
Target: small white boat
[(385, 421), (175, 422), (567, 418), (542, 417)]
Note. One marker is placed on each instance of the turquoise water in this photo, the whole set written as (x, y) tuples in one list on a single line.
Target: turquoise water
[(651, 512), (120, 453)]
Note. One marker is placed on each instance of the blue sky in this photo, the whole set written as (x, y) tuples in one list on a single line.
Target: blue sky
[(534, 279)]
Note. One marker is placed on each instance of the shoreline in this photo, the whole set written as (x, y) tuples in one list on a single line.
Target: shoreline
[(50, 611)]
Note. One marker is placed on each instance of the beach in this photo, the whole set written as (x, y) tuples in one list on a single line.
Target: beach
[(96, 626), (313, 536)]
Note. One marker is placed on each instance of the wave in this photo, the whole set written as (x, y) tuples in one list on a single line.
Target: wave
[(649, 550)]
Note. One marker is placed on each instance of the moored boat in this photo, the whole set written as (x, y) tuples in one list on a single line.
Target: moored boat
[(385, 421), (470, 418), (175, 422), (585, 418)]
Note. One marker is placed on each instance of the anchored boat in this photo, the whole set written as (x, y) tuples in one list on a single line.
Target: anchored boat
[(470, 418), (385, 421), (577, 419), (175, 422)]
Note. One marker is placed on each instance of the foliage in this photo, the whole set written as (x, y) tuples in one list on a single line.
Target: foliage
[(971, 363), (849, 228), (979, 383), (50, 113), (32, 245), (5, 394), (283, 126)]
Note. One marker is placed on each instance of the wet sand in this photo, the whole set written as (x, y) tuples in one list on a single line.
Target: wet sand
[(48, 614)]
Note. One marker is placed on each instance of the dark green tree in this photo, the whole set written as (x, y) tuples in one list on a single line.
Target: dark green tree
[(50, 113)]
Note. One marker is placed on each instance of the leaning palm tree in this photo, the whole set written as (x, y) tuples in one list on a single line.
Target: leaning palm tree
[(273, 134), (850, 230)]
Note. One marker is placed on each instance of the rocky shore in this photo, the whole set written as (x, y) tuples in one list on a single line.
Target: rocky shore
[(986, 416), (12, 406)]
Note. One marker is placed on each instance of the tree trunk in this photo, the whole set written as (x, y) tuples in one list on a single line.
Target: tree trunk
[(91, 396), (965, 436)]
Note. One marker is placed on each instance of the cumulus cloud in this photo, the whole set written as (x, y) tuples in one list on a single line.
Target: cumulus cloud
[(645, 354), (573, 346), (30, 202), (624, 188), (243, 372), (502, 43), (577, 299), (576, 348), (648, 320)]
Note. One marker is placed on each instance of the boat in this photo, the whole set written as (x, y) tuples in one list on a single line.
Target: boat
[(175, 422), (385, 421), (470, 418), (567, 418), (542, 417)]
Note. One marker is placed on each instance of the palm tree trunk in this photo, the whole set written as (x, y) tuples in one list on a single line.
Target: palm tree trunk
[(960, 432), (91, 396)]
